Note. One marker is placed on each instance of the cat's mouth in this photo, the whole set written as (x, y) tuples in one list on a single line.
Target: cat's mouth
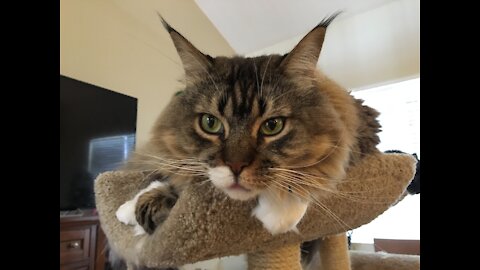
[(238, 192), (223, 178)]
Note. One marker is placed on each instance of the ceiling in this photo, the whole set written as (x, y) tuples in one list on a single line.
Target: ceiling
[(251, 25)]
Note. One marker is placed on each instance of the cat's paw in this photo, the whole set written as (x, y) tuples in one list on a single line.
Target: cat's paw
[(153, 207), (279, 216), (126, 213), (148, 209)]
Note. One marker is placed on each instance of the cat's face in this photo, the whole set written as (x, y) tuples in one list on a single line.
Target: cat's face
[(250, 118)]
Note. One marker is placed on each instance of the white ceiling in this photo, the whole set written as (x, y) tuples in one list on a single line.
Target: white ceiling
[(247, 25), (251, 25)]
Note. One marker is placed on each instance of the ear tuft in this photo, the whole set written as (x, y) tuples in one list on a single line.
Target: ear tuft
[(195, 63), (165, 24), (304, 57), (326, 21)]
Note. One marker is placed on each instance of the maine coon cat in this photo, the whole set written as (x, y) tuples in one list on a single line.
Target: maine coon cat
[(270, 128)]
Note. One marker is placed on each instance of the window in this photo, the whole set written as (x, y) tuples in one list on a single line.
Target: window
[(399, 107), (108, 153)]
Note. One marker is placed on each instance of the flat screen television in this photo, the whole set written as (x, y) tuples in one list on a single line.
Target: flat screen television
[(97, 134)]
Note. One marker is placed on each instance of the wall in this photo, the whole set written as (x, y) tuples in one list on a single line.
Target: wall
[(370, 48), (101, 44)]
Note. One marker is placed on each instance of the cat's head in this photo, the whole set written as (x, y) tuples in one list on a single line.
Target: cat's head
[(254, 120)]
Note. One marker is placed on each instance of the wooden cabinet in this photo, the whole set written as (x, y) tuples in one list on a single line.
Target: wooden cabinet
[(397, 246), (82, 242)]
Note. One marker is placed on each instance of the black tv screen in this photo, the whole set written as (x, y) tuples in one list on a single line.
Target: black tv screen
[(97, 134)]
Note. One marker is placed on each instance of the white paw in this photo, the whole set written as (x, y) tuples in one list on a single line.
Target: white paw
[(138, 230), (279, 216), (126, 212)]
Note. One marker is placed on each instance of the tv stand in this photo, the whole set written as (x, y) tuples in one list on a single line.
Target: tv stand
[(71, 213), (83, 245)]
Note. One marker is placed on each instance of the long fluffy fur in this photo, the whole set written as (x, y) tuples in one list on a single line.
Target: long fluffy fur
[(325, 130)]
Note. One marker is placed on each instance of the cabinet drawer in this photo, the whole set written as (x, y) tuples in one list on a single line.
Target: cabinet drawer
[(74, 244), (74, 266)]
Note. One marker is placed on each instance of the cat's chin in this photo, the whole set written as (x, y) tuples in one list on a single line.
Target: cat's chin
[(223, 179), (241, 195)]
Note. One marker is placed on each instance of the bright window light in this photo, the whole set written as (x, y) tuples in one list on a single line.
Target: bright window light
[(109, 153), (399, 107)]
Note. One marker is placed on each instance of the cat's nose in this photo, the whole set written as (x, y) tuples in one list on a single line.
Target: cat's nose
[(236, 166)]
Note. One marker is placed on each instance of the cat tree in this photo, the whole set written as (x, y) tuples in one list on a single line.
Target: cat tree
[(205, 224)]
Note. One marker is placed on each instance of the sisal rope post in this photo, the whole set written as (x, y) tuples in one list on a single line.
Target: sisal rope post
[(332, 252), (286, 257)]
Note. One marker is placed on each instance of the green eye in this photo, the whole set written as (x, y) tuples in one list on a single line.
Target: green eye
[(211, 124), (272, 126)]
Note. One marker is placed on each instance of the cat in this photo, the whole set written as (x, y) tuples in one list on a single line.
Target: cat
[(271, 128)]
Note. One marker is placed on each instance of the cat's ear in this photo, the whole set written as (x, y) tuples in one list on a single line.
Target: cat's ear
[(303, 58), (195, 63)]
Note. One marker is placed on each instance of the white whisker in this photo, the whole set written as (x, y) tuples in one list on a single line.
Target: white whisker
[(263, 76), (294, 190), (256, 74), (313, 183), (325, 157), (189, 167), (156, 50)]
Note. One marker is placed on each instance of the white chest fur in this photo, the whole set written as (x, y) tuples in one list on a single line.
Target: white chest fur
[(279, 215)]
